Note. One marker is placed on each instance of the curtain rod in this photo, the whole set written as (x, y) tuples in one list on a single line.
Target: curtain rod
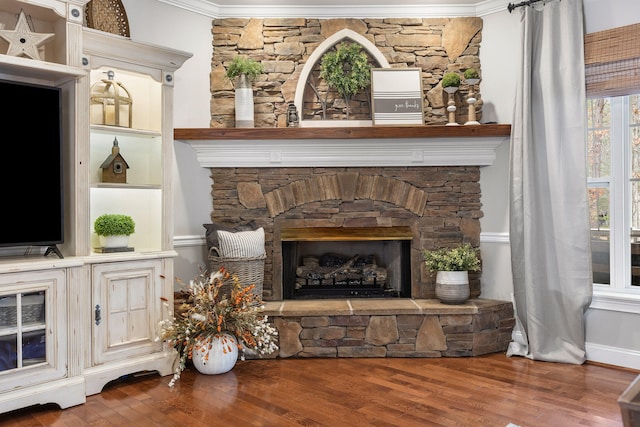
[(512, 6)]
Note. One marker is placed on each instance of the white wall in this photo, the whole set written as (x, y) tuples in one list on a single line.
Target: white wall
[(497, 90), (157, 23), (611, 336)]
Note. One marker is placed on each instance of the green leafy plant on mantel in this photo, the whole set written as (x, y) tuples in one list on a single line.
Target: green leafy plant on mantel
[(451, 80), (241, 65), (114, 225), (460, 258), (346, 69)]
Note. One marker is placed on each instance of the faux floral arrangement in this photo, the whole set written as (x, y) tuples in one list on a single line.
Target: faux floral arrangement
[(210, 310), (460, 258)]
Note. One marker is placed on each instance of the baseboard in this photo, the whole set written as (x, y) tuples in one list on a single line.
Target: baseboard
[(613, 356)]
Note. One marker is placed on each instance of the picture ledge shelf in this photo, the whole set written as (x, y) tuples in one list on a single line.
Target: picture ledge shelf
[(346, 146)]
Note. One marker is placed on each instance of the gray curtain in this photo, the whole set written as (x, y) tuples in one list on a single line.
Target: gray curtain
[(549, 224)]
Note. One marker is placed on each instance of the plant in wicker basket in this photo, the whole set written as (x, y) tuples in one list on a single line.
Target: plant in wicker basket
[(210, 310)]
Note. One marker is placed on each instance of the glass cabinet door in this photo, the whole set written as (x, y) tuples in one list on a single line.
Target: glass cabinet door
[(22, 330)]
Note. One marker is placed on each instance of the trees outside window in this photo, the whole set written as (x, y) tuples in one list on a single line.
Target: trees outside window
[(613, 144)]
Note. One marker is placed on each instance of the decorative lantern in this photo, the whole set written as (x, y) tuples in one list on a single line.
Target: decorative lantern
[(292, 115), (110, 103)]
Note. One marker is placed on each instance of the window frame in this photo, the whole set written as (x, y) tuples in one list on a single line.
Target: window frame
[(619, 294)]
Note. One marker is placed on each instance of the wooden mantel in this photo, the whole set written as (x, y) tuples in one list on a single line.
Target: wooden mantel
[(342, 132), (346, 146)]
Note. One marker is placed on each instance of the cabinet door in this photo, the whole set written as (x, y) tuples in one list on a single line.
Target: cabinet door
[(32, 328), (127, 309)]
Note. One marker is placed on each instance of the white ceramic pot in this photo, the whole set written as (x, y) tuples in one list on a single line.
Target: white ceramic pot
[(119, 241), (217, 355), (244, 103), (452, 287)]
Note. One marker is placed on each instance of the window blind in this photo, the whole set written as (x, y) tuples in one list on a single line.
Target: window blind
[(612, 61)]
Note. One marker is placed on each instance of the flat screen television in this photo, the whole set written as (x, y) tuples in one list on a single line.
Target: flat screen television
[(31, 176)]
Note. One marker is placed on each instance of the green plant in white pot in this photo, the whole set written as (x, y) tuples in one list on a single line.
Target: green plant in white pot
[(452, 266), (242, 71), (114, 230)]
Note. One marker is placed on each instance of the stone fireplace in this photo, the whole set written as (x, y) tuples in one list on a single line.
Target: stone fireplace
[(344, 179), (418, 185)]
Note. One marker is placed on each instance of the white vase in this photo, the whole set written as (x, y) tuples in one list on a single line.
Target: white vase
[(216, 355), (452, 287), (244, 102), (118, 241)]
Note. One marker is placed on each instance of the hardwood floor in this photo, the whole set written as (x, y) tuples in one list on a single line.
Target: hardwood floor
[(491, 390)]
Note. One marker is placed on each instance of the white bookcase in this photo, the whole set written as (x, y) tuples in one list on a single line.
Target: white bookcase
[(98, 313)]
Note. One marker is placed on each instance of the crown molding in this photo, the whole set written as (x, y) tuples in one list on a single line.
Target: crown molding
[(213, 10)]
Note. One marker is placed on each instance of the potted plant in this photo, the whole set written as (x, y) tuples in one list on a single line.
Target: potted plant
[(451, 80), (213, 324), (452, 266), (114, 229), (471, 73), (248, 67), (243, 71), (347, 70)]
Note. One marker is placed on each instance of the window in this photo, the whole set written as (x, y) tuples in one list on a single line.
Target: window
[(613, 144)]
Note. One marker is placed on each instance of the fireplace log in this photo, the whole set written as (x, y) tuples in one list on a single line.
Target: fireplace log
[(350, 271)]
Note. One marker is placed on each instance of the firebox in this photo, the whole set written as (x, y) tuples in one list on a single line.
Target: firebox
[(338, 262)]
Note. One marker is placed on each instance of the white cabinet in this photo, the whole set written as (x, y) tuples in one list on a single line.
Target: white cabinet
[(127, 309), (127, 287), (69, 326), (30, 325), (126, 301), (34, 336)]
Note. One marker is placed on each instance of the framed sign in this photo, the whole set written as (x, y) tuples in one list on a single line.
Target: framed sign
[(396, 96)]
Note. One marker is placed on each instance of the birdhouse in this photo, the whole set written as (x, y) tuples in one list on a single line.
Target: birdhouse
[(110, 103), (114, 168)]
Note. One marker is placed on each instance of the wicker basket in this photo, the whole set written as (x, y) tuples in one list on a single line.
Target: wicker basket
[(250, 271), (108, 16)]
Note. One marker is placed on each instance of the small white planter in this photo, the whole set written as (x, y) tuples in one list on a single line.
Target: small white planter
[(452, 287), (119, 241)]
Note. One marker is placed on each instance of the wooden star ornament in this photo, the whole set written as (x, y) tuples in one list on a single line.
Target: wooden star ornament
[(23, 42)]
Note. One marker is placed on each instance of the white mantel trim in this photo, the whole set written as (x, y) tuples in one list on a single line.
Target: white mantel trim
[(366, 152)]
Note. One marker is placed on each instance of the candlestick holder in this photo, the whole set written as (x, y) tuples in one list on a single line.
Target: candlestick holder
[(471, 100), (451, 106)]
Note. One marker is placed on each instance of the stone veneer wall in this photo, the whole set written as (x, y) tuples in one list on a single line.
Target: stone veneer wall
[(435, 45), (440, 204)]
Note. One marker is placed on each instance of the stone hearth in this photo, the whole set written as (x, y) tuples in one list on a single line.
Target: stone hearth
[(391, 328)]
